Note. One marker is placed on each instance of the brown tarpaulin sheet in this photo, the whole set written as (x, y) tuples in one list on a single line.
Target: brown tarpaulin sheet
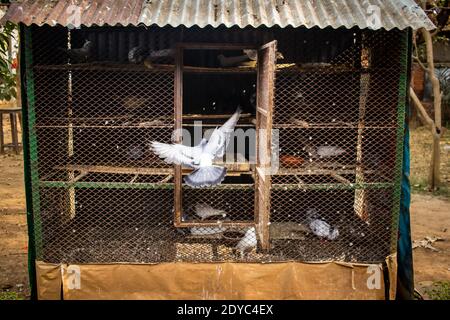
[(289, 280)]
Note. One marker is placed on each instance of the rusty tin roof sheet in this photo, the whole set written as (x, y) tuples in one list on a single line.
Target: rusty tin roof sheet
[(374, 14)]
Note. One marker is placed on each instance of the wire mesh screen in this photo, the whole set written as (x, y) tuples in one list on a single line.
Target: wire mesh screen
[(100, 194)]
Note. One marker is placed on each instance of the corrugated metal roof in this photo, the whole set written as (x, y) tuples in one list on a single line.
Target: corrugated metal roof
[(373, 14)]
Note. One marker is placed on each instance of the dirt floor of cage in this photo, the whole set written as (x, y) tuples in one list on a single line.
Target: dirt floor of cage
[(156, 245)]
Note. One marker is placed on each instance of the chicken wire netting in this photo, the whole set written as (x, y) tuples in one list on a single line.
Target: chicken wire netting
[(100, 194)]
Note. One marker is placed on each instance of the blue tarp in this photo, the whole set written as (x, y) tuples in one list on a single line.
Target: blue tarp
[(405, 272)]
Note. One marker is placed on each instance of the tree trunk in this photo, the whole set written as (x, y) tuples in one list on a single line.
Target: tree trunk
[(434, 177)]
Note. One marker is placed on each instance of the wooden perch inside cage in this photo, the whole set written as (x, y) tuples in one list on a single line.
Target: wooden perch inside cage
[(360, 203)]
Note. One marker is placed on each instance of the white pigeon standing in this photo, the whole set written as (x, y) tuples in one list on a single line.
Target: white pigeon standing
[(248, 241), (201, 157), (205, 211), (321, 228)]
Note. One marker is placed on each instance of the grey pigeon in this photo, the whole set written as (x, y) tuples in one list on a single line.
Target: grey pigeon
[(206, 211), (138, 54), (160, 56), (83, 54), (201, 157), (164, 53), (329, 151), (321, 228), (324, 151)]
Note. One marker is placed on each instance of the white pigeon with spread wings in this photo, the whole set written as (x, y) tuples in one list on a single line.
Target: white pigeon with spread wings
[(201, 157)]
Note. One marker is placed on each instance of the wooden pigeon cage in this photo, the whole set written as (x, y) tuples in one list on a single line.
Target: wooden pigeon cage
[(101, 195), (316, 178)]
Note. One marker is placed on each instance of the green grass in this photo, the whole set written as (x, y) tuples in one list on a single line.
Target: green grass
[(439, 291), (421, 186), (420, 143), (10, 295)]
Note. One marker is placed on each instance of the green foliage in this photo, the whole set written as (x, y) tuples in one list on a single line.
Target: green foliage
[(440, 291), (10, 295), (7, 77)]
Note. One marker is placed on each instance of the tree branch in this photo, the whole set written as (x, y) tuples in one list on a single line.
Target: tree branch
[(420, 63), (434, 80), (423, 113)]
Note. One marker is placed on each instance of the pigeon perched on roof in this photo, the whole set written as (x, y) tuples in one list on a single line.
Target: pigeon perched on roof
[(248, 241), (200, 157), (79, 55), (205, 211), (320, 227)]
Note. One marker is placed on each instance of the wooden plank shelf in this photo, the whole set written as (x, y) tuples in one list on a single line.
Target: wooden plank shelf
[(83, 173), (215, 223), (329, 125), (126, 121), (130, 67)]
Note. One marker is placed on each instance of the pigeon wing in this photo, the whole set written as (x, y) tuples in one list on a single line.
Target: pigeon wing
[(228, 128), (220, 138), (229, 125), (175, 153), (216, 145)]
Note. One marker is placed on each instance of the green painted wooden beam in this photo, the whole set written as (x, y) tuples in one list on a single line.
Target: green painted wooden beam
[(27, 167), (105, 185), (401, 105), (337, 186), (32, 140)]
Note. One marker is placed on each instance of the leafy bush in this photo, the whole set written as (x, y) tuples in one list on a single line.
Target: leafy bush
[(10, 295), (7, 77)]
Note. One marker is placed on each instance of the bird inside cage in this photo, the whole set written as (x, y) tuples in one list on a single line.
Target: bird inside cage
[(319, 227), (247, 243), (248, 58), (200, 157), (80, 55)]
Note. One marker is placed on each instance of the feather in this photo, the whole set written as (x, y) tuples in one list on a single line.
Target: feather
[(201, 157), (206, 176), (177, 153)]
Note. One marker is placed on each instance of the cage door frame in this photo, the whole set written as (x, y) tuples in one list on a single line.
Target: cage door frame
[(178, 126), (264, 110)]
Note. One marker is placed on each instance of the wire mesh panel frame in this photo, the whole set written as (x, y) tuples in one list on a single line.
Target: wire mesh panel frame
[(392, 184), (179, 64)]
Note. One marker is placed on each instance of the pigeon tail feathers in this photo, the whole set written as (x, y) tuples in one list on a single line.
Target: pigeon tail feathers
[(206, 176)]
